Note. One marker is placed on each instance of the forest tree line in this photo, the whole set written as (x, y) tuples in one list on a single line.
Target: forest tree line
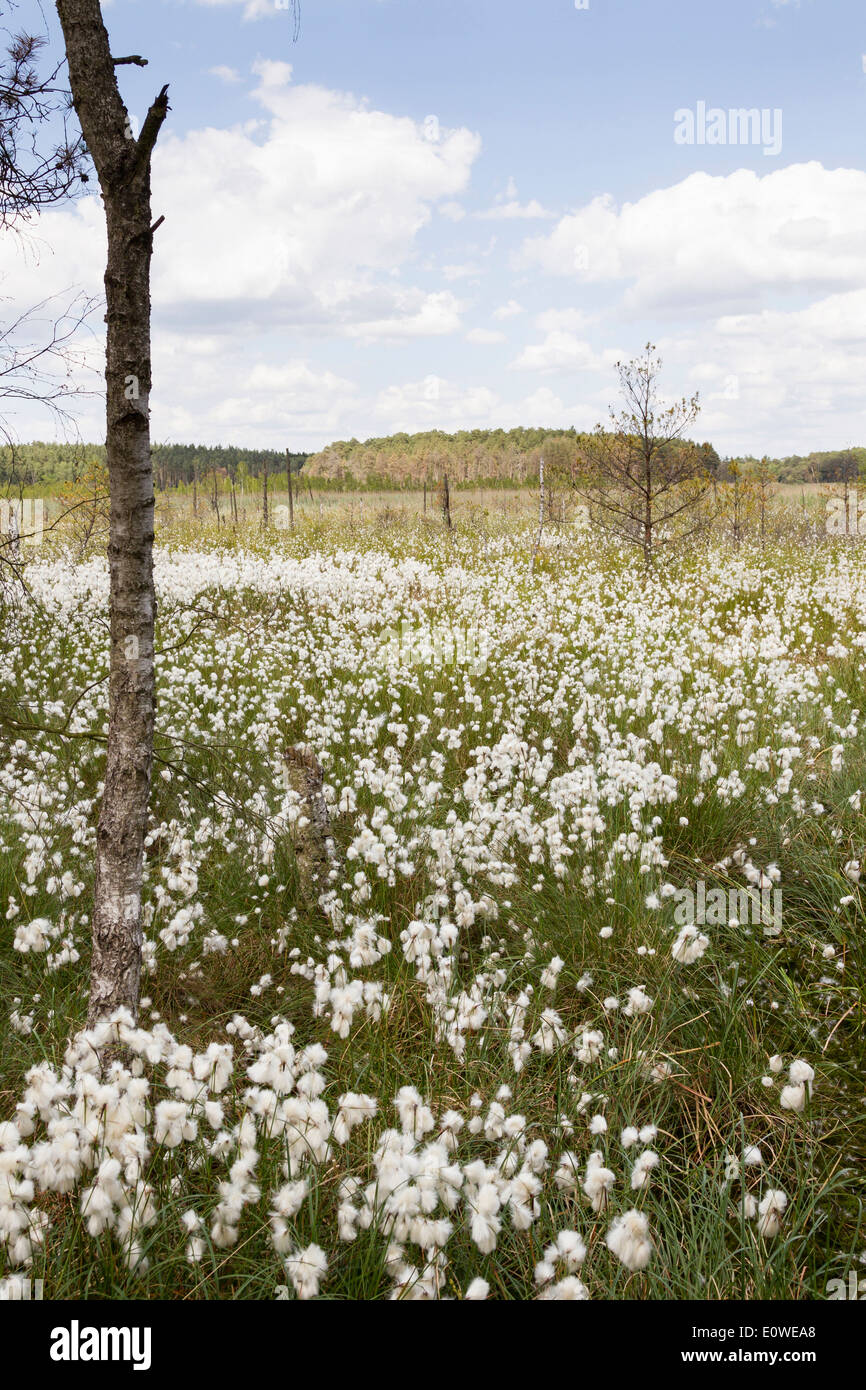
[(513, 456), (174, 465), (469, 457)]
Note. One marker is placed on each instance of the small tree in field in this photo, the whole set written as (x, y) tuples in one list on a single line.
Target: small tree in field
[(84, 510), (643, 480), (765, 491), (736, 507)]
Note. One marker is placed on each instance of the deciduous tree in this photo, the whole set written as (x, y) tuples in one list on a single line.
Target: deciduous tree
[(123, 166), (643, 480)]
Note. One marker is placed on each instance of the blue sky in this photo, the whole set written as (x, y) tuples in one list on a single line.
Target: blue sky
[(460, 215)]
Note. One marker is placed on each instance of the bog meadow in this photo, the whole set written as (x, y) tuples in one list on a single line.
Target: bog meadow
[(471, 1039), (431, 854)]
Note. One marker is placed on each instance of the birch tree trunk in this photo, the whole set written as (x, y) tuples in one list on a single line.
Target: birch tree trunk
[(123, 167)]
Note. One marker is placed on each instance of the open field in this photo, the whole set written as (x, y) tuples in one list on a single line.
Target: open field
[(484, 1045)]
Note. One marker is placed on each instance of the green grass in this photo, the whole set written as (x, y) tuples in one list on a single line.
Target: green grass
[(275, 662)]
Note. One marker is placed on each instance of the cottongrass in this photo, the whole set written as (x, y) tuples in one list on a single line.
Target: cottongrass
[(486, 1037)]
